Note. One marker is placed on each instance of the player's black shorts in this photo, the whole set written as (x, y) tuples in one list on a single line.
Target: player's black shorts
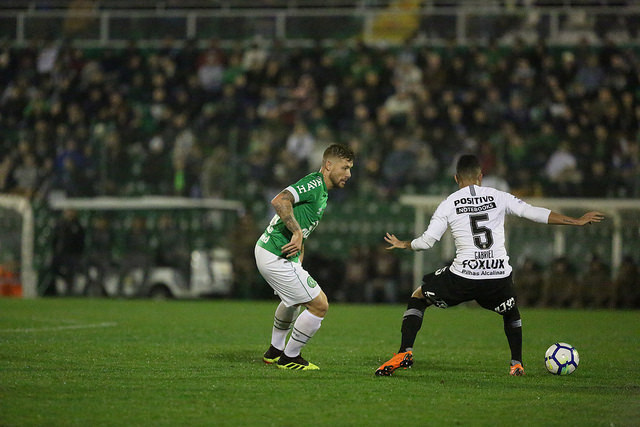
[(446, 289)]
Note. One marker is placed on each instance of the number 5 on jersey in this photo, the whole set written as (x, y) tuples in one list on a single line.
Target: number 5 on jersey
[(478, 231)]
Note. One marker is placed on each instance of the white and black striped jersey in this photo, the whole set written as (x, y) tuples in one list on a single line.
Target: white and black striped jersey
[(475, 216)]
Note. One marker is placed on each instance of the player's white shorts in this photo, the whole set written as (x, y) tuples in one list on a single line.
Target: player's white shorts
[(289, 280)]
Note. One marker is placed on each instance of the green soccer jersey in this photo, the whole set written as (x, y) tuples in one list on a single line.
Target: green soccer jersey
[(310, 200)]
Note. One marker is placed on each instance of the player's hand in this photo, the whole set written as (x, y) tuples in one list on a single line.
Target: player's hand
[(591, 217), (394, 242), (294, 246)]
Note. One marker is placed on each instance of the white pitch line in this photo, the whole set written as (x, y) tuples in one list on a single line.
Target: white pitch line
[(62, 328)]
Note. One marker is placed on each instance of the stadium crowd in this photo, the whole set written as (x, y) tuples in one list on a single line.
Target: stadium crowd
[(185, 120), (199, 120)]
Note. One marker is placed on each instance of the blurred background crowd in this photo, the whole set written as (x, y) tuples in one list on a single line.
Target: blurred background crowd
[(240, 122)]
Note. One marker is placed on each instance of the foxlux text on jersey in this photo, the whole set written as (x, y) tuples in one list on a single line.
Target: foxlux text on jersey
[(491, 264)]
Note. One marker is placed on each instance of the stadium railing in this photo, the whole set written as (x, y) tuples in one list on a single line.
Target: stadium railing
[(301, 25)]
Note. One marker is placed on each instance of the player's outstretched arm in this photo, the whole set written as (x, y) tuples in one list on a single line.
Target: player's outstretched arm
[(588, 218), (396, 243)]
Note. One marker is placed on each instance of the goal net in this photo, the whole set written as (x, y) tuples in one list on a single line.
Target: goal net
[(17, 274), (179, 244)]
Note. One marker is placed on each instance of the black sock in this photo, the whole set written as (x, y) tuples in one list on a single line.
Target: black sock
[(513, 331), (411, 322)]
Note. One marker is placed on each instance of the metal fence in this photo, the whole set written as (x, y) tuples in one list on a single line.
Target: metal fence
[(305, 25)]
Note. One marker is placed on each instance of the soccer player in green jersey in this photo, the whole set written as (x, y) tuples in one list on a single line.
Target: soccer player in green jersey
[(279, 253)]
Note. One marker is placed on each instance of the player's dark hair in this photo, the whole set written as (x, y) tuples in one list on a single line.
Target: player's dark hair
[(340, 151), (468, 166)]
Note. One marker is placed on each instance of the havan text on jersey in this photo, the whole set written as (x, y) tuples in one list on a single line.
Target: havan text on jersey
[(303, 188)]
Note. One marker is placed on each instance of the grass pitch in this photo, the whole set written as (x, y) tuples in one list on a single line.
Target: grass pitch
[(117, 362)]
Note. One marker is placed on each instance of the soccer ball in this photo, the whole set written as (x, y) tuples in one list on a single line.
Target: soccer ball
[(561, 359)]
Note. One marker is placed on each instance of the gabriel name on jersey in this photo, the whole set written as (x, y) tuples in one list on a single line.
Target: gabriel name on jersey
[(310, 200)]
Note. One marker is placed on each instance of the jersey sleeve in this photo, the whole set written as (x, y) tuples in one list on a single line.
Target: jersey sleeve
[(522, 209), (296, 196), (437, 227)]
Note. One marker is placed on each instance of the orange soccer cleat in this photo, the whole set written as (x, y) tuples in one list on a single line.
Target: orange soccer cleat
[(516, 370), (400, 360)]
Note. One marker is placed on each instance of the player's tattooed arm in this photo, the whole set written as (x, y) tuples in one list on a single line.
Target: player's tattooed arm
[(283, 204)]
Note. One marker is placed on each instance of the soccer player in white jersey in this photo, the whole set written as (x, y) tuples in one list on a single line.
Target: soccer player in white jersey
[(279, 253), (480, 270)]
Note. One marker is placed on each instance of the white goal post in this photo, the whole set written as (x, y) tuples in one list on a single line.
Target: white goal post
[(612, 208)]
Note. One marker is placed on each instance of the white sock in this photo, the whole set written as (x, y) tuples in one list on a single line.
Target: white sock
[(304, 328), (282, 322)]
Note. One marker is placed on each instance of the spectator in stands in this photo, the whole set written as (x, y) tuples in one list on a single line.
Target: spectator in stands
[(595, 289), (590, 75), (300, 145), (400, 107), (171, 245), (26, 176), (627, 284), (215, 178), (397, 165), (357, 272), (99, 262), (211, 73), (305, 96), (68, 178), (156, 167), (136, 259), (247, 282), (68, 251), (562, 172), (117, 165), (425, 168), (529, 279), (625, 167), (385, 270), (434, 72), (255, 57), (560, 284)]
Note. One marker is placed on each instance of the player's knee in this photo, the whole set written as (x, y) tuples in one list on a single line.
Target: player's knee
[(319, 310), (319, 305)]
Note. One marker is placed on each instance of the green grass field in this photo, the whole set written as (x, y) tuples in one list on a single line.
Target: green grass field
[(117, 362)]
